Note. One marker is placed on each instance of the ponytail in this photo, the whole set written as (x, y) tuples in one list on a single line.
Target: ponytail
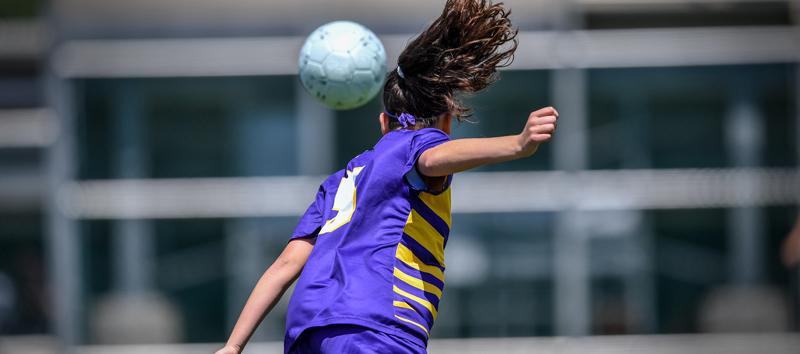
[(459, 53)]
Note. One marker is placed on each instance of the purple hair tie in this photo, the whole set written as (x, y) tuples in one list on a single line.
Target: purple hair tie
[(407, 120)]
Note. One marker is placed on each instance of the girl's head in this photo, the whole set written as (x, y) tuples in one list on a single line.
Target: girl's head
[(459, 53)]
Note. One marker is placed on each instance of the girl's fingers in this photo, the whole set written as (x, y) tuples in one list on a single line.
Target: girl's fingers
[(541, 137), (545, 128), (546, 120), (547, 111)]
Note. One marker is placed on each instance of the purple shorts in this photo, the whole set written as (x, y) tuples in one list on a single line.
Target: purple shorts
[(349, 339)]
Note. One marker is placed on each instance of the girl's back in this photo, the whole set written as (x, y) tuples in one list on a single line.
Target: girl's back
[(378, 259)]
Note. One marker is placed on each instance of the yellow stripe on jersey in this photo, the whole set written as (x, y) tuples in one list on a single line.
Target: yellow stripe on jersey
[(421, 231), (412, 322), (418, 283), (440, 204), (425, 303), (402, 304), (406, 256)]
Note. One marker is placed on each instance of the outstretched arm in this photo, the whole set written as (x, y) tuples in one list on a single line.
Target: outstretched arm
[(268, 291), (464, 154)]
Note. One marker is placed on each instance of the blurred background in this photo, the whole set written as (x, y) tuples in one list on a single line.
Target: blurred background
[(155, 156)]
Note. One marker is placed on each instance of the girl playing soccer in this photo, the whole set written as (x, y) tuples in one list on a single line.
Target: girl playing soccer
[(369, 251)]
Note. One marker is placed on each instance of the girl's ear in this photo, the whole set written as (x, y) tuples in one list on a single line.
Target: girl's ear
[(384, 120)]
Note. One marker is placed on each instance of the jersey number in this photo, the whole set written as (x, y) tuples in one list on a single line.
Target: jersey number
[(344, 202)]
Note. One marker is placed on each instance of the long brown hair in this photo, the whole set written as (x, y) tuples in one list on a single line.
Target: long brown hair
[(459, 53)]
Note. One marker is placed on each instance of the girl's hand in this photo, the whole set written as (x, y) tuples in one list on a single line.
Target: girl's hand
[(539, 128), (229, 349)]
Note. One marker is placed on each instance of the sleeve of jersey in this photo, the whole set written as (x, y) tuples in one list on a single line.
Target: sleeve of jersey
[(312, 220), (421, 142)]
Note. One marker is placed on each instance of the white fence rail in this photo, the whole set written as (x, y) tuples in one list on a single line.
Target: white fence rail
[(493, 192), (582, 49)]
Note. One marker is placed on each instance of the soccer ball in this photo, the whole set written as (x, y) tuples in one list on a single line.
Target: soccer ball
[(342, 64)]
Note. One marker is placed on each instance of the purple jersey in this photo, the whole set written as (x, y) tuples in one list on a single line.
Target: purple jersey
[(378, 260)]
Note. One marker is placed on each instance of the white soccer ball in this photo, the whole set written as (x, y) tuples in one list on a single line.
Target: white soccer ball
[(342, 64)]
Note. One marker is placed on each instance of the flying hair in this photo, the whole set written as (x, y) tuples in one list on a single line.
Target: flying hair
[(458, 53)]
